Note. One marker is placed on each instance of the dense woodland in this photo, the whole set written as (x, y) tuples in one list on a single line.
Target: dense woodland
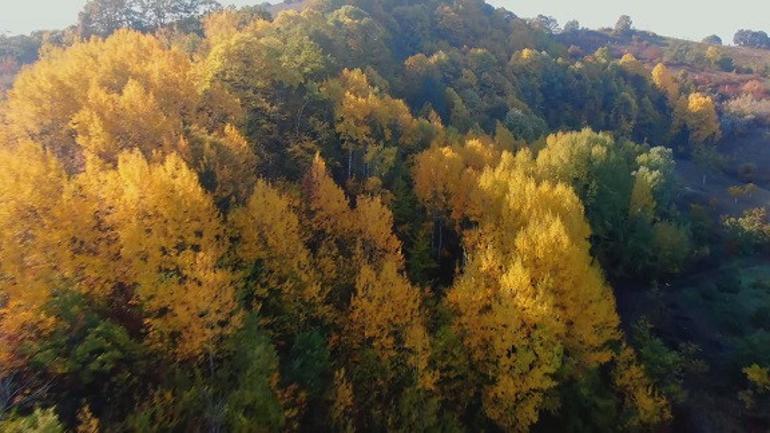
[(357, 216)]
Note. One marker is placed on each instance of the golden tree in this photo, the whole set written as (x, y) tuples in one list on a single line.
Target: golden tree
[(32, 183), (701, 118), (530, 299), (269, 232), (171, 242), (358, 257), (665, 81), (372, 123), (103, 95), (145, 229)]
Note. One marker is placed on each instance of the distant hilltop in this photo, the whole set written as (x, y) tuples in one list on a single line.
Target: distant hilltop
[(275, 8)]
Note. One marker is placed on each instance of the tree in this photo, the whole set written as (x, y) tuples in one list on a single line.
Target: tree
[(525, 126), (599, 169), (444, 177), (672, 246), (748, 232), (385, 312), (623, 26), (252, 403), (372, 126), (171, 242), (343, 217), (701, 118), (32, 231), (643, 405), (632, 65), (40, 421), (103, 17), (104, 219), (718, 59), (248, 60), (131, 92), (105, 100), (623, 186), (269, 238), (712, 40), (87, 423), (506, 296), (546, 24), (665, 81), (571, 26), (517, 306), (380, 312), (751, 39), (21, 49), (738, 191), (159, 13), (226, 162), (459, 115), (756, 393)]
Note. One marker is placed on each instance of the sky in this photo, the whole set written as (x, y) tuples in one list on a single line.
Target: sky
[(24, 16), (687, 19)]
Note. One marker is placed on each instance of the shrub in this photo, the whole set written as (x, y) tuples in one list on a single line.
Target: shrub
[(749, 232), (747, 107), (40, 421)]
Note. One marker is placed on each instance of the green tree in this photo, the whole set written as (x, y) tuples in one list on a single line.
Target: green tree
[(623, 26), (40, 421)]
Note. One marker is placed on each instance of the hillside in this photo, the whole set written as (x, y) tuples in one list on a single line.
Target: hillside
[(715, 305), (724, 72), (380, 216)]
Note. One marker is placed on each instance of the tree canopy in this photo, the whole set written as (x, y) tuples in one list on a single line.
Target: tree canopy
[(357, 216)]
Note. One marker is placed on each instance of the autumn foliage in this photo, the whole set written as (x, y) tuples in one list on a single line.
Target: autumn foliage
[(255, 227)]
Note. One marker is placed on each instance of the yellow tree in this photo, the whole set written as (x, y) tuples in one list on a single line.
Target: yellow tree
[(517, 357), (438, 173), (542, 226), (143, 231), (31, 231), (530, 298), (385, 313), (98, 98), (665, 81), (632, 65), (325, 201), (346, 237), (133, 118), (359, 258), (103, 95), (444, 176), (372, 123), (249, 56), (270, 233), (87, 422), (701, 118), (226, 162), (713, 54), (642, 203), (366, 230), (171, 243), (648, 408)]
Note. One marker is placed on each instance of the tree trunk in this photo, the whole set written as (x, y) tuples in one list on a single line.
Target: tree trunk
[(350, 161)]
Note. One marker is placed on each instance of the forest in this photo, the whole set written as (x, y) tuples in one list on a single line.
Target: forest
[(381, 216)]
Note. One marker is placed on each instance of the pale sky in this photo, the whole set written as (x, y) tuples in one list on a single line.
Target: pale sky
[(689, 19), (686, 19), (24, 16)]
